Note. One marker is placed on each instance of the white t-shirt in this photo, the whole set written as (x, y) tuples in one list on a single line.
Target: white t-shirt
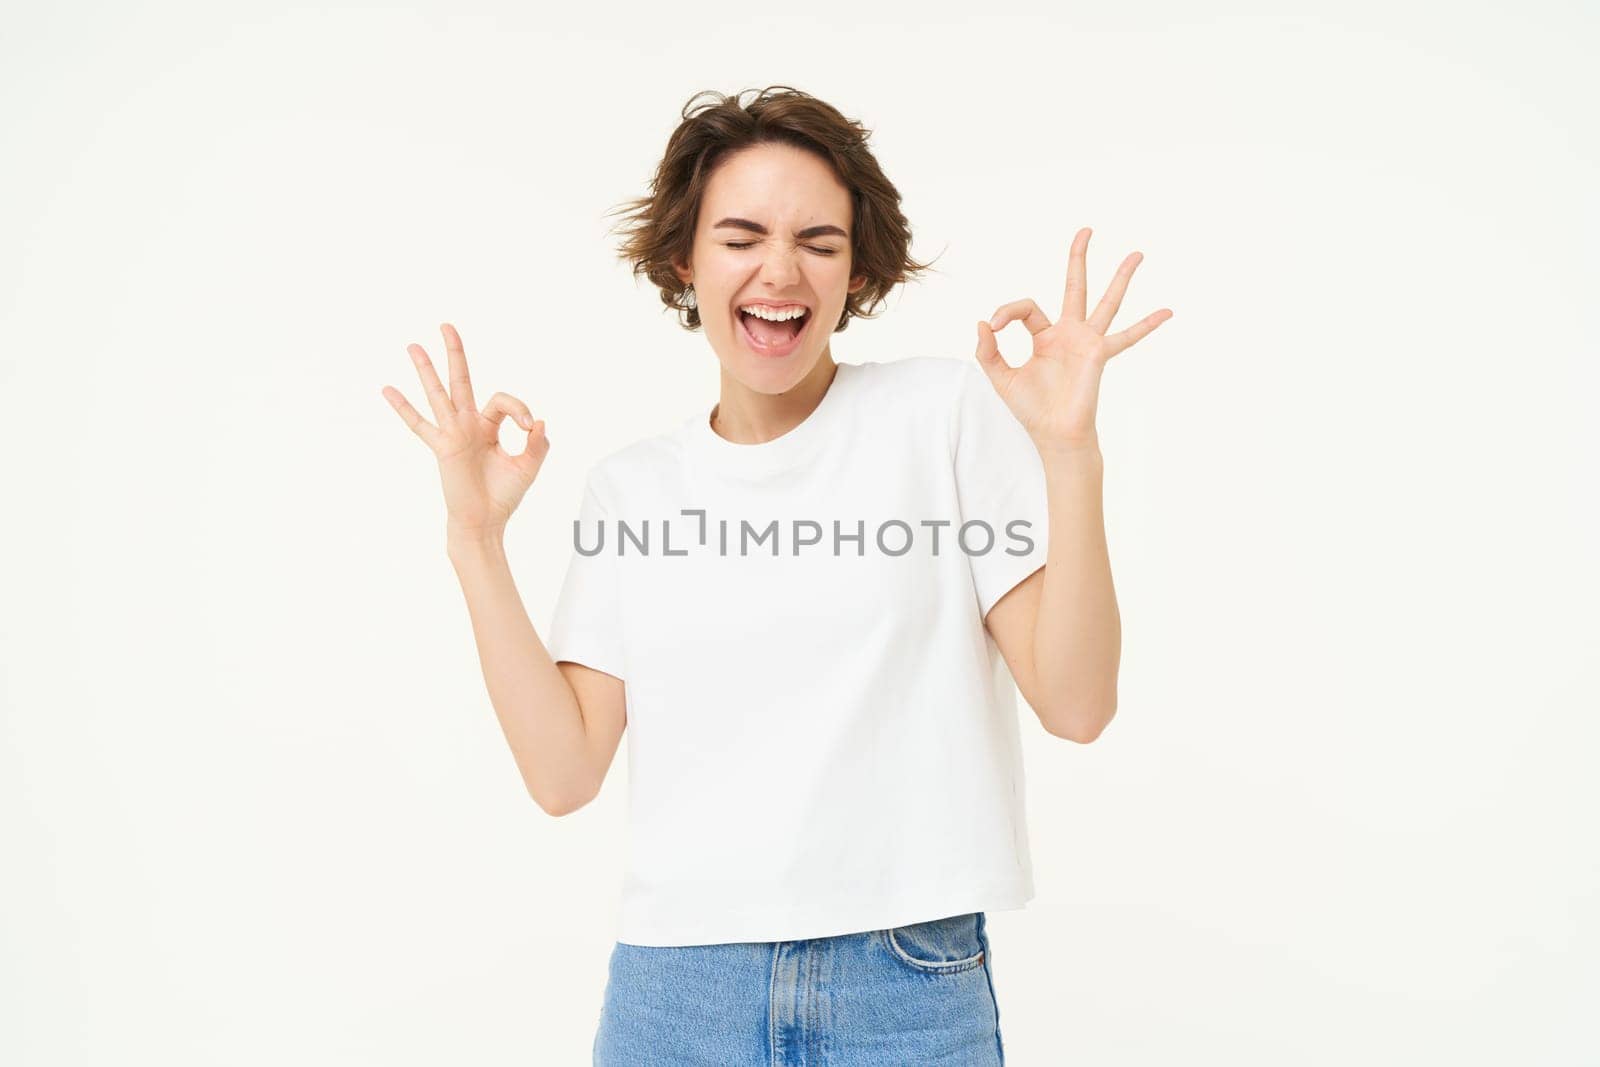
[(822, 735)]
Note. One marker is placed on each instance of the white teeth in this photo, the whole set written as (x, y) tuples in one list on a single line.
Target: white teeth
[(772, 314)]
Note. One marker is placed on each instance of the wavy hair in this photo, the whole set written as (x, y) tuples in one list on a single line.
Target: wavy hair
[(659, 228)]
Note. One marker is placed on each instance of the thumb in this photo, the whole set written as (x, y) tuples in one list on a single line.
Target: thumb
[(531, 458), (989, 358)]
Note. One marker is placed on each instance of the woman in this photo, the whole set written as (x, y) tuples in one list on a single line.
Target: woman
[(797, 601)]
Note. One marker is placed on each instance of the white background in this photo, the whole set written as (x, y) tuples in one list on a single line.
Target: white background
[(256, 806)]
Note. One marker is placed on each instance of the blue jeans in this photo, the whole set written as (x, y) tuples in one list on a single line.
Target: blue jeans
[(918, 994)]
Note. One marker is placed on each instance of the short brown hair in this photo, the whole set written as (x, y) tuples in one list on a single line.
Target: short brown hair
[(660, 227)]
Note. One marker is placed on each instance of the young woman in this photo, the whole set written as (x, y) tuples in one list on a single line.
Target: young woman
[(798, 603)]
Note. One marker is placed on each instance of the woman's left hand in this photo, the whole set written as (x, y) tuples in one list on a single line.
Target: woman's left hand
[(1054, 394)]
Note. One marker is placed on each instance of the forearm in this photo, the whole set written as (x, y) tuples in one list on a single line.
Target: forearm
[(538, 711), (1077, 637)]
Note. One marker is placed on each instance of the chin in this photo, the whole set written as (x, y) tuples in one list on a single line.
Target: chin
[(762, 377)]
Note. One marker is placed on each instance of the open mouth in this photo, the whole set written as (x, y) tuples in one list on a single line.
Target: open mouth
[(774, 338)]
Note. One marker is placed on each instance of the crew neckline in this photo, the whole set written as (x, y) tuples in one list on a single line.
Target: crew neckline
[(782, 452)]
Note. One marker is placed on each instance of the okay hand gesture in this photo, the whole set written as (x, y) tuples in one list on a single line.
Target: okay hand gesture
[(1054, 394), (483, 483)]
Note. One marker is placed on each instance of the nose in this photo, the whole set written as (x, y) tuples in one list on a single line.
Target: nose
[(779, 268)]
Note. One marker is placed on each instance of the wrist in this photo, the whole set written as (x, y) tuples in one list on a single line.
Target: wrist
[(1073, 450), (469, 542)]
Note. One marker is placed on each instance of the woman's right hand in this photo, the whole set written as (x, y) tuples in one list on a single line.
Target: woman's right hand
[(483, 483)]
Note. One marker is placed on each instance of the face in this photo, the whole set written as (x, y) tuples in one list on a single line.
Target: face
[(773, 229)]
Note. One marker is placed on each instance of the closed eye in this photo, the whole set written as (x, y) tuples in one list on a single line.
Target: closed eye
[(814, 248)]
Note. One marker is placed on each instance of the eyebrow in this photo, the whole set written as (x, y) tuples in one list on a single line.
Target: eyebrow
[(809, 231)]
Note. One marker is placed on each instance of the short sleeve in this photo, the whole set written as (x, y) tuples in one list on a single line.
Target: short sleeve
[(999, 479), (586, 627)]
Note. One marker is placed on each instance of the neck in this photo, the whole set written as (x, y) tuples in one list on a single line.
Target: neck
[(747, 417)]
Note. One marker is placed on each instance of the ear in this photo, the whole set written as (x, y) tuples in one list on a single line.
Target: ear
[(683, 271), (857, 282)]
